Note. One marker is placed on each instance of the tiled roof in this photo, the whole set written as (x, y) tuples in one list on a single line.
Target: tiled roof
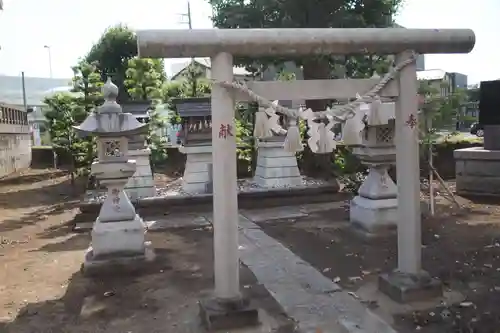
[(37, 88), (179, 67), (431, 74)]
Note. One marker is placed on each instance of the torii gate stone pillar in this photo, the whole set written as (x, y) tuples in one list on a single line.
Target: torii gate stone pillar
[(228, 308)]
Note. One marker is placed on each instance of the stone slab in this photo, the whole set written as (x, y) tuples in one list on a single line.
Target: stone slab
[(280, 182), (404, 288), (118, 263), (319, 207), (476, 153), (177, 222), (374, 215), (311, 299), (216, 316), (277, 213)]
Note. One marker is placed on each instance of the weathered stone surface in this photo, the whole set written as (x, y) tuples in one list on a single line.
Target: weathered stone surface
[(196, 174), (141, 185), (217, 315), (275, 166), (405, 288), (178, 221), (275, 213), (477, 171), (117, 263)]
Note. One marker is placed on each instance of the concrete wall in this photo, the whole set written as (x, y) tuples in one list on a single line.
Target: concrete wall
[(15, 141)]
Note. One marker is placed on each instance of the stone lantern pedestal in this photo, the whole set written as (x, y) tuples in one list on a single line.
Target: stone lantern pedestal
[(375, 206), (141, 184), (118, 230), (196, 174), (118, 233), (275, 166)]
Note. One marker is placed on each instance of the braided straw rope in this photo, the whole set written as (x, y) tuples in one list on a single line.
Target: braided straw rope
[(340, 113)]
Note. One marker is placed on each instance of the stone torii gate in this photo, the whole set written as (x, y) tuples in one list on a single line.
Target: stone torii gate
[(222, 44)]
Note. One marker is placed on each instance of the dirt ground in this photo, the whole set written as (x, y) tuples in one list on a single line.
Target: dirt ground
[(42, 289), (461, 247)]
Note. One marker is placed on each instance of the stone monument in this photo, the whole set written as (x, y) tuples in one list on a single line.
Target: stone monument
[(376, 204), (141, 185), (276, 167), (118, 232), (196, 142), (478, 168)]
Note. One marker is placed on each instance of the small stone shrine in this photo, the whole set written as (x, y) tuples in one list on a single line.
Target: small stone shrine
[(141, 185), (118, 232), (375, 206), (276, 167), (196, 142)]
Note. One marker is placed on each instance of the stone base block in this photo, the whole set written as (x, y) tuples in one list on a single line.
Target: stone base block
[(117, 263), (374, 215), (276, 167), (218, 315), (477, 171), (141, 184), (196, 174), (125, 238), (405, 288)]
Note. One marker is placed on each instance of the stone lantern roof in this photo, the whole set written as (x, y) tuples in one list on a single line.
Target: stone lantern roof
[(109, 119)]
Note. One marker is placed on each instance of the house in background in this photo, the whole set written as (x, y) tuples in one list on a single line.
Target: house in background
[(449, 83), (437, 79), (179, 70)]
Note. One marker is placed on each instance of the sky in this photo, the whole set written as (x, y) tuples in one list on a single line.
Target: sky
[(70, 27)]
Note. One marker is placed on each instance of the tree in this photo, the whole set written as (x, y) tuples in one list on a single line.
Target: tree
[(117, 45), (144, 79), (441, 108), (309, 14), (87, 86), (62, 113), (65, 110), (87, 83)]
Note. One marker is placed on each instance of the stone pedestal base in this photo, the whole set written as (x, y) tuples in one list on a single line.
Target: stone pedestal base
[(141, 185), (117, 263), (375, 208), (374, 215), (477, 171), (405, 288), (275, 166), (123, 237), (117, 245), (196, 174), (220, 315)]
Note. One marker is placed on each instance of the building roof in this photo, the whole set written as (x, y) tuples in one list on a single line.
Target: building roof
[(431, 74), (177, 68), (37, 88)]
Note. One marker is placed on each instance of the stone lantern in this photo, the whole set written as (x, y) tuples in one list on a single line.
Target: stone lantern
[(118, 232), (375, 206)]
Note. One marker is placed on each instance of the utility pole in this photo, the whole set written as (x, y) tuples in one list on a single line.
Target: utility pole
[(188, 15), (50, 59)]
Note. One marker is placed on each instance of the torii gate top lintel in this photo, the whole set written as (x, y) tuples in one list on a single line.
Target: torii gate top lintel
[(301, 41)]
